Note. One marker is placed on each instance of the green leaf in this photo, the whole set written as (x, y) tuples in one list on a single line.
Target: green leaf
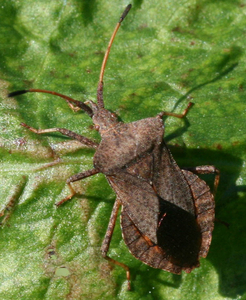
[(166, 54)]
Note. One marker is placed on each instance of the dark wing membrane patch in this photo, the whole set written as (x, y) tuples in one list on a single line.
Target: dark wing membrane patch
[(178, 235), (152, 254), (205, 209)]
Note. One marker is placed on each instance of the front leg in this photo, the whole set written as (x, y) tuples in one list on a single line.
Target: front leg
[(82, 139)]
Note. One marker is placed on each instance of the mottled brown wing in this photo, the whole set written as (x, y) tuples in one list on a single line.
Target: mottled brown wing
[(168, 213), (186, 190), (167, 254), (139, 201), (178, 242), (170, 183), (160, 169), (181, 242), (143, 248), (156, 231)]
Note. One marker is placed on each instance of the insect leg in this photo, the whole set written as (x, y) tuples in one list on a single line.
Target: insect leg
[(182, 115), (207, 170), (107, 240), (71, 134), (73, 178)]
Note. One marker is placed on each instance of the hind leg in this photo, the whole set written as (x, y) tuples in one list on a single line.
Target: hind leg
[(107, 240)]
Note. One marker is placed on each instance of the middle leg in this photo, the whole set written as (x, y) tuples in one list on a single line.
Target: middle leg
[(74, 178)]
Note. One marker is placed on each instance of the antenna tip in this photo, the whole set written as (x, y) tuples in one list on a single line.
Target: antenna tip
[(129, 6), (17, 93)]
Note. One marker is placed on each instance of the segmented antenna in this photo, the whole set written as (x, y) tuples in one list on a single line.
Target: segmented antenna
[(100, 84), (79, 104)]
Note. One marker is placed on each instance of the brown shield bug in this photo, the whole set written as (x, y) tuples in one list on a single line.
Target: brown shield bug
[(167, 214)]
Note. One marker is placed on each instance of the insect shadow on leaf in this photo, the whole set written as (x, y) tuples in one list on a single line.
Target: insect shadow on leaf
[(167, 215)]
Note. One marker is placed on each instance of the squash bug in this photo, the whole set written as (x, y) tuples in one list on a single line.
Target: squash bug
[(167, 214)]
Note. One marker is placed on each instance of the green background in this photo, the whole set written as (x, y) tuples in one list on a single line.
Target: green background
[(166, 54)]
